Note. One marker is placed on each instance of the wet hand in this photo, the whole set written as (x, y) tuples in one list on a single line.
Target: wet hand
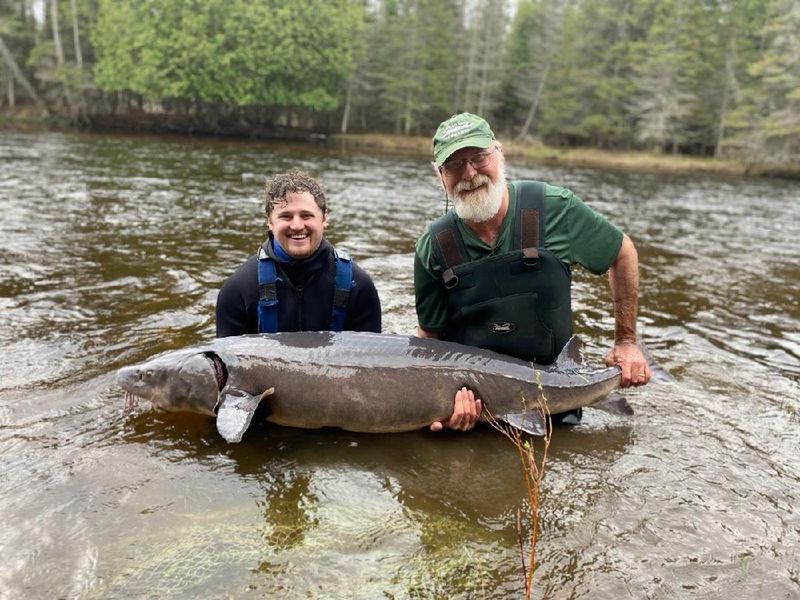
[(466, 410), (633, 365)]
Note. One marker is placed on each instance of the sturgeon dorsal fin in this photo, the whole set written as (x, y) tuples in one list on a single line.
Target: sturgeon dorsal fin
[(570, 356), (236, 410), (531, 422)]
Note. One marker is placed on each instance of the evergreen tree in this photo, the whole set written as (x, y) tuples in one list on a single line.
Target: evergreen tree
[(737, 40), (484, 39), (17, 38), (586, 99), (717, 76), (523, 70), (775, 135), (666, 94), (415, 62)]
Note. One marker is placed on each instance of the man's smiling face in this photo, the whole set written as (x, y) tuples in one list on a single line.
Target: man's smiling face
[(298, 224)]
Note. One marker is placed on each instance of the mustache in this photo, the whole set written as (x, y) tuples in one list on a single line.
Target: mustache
[(477, 181)]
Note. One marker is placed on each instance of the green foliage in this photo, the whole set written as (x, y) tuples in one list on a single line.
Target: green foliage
[(234, 52), (775, 101), (16, 30), (765, 82), (591, 81), (413, 62), (521, 69), (717, 76), (479, 59), (664, 96)]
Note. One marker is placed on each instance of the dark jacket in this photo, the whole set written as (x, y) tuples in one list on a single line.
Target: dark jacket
[(305, 297)]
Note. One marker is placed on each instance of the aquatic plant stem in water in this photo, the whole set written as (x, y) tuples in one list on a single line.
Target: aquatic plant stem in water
[(533, 471)]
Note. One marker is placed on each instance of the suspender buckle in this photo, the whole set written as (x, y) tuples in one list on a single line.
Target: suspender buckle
[(268, 292), (530, 256), (450, 279), (340, 298)]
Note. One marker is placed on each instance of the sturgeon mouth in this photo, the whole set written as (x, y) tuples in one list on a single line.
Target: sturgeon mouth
[(131, 401)]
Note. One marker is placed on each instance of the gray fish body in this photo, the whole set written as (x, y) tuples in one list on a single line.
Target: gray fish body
[(362, 382)]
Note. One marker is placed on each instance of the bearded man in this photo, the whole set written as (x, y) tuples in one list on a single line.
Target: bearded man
[(494, 272)]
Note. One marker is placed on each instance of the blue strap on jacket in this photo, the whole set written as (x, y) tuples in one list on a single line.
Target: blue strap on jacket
[(342, 284), (268, 291)]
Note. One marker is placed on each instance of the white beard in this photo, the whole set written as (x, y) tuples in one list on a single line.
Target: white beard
[(482, 204)]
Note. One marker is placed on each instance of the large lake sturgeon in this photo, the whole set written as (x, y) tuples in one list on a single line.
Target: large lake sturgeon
[(363, 382)]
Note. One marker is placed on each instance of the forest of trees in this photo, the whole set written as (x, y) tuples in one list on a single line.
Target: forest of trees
[(703, 77)]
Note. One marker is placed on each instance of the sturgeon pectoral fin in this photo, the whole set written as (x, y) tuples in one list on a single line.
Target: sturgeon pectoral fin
[(236, 410), (531, 422)]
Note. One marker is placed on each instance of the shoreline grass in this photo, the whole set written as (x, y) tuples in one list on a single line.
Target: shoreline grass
[(572, 157), (532, 154)]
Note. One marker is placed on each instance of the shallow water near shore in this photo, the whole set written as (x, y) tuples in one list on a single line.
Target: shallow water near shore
[(114, 248)]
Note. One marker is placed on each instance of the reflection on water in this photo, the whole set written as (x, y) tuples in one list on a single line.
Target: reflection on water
[(114, 247)]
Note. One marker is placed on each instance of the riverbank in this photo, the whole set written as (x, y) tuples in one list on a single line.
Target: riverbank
[(573, 157), (26, 120)]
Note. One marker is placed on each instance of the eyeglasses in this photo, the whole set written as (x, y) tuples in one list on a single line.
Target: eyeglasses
[(477, 160)]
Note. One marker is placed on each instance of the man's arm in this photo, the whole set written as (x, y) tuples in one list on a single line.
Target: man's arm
[(237, 291), (623, 277), (364, 313), (230, 313)]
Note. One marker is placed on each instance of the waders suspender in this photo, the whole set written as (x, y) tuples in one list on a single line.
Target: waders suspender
[(342, 285), (268, 292), (449, 246)]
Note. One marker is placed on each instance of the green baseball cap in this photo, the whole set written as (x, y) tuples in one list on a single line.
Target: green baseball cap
[(464, 130)]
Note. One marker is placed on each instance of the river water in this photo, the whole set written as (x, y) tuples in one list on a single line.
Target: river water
[(113, 249)]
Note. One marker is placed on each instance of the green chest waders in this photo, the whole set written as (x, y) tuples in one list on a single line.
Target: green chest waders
[(517, 303)]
